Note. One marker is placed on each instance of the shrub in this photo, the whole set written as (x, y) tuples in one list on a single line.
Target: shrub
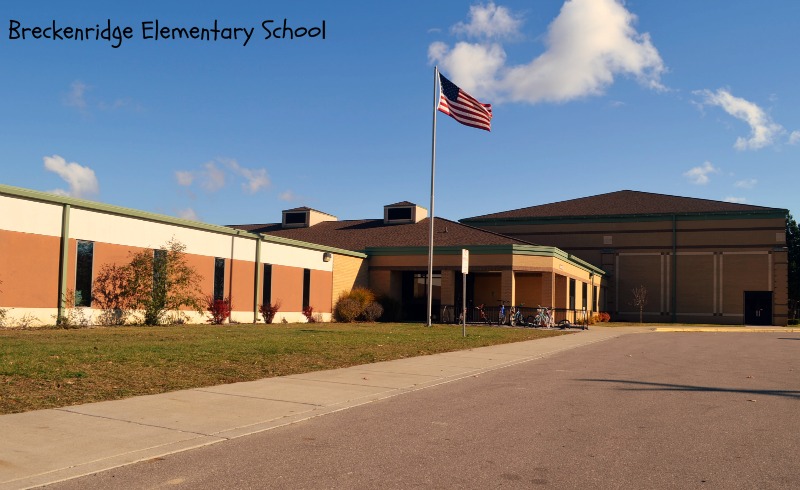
[(268, 311), (308, 312), (220, 309), (604, 317), (391, 309), (347, 309), (111, 296), (363, 295), (373, 311)]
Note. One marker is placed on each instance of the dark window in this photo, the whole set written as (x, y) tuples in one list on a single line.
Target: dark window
[(585, 293), (83, 274), (571, 294), (219, 278), (421, 285), (306, 288), (159, 276), (295, 218), (266, 294), (397, 214), (595, 299)]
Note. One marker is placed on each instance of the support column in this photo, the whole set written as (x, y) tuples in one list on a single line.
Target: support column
[(548, 289), (508, 287), (448, 287)]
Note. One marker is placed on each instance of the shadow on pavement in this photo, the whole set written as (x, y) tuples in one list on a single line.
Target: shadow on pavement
[(648, 386)]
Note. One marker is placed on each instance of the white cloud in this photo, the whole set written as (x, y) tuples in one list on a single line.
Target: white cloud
[(184, 178), (737, 200), (77, 96), (699, 175), (188, 213), (212, 177), (82, 180), (794, 138), (288, 196), (588, 45), (489, 21), (746, 183), (763, 131), (255, 179)]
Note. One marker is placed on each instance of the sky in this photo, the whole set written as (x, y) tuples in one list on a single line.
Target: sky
[(687, 98)]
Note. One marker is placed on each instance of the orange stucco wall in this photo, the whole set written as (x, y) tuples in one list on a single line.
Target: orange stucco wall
[(29, 270)]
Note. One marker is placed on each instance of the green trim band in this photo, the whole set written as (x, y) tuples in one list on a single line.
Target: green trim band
[(514, 249), (623, 218)]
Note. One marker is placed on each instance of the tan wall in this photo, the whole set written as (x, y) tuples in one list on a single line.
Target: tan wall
[(642, 270), (348, 272), (529, 289)]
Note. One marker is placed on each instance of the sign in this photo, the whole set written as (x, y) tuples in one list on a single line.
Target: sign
[(464, 261)]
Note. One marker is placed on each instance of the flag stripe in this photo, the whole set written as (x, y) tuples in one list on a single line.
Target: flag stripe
[(463, 107)]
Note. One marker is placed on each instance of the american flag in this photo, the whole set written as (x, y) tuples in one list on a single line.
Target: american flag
[(463, 107)]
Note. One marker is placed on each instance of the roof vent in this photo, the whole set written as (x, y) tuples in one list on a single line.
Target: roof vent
[(304, 217), (403, 212)]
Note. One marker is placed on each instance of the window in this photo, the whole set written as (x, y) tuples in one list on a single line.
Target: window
[(83, 274), (159, 275), (306, 288), (295, 218), (397, 214), (585, 294), (595, 299), (266, 294), (572, 294), (421, 285), (219, 278)]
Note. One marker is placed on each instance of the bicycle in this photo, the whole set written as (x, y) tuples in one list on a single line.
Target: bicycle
[(543, 318), (501, 317), (516, 317), (447, 315), (482, 315)]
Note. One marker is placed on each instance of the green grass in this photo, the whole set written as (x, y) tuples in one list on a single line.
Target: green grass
[(50, 368)]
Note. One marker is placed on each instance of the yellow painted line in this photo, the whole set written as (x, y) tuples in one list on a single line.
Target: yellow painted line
[(730, 329)]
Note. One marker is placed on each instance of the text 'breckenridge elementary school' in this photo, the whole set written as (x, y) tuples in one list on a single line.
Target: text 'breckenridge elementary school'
[(155, 30)]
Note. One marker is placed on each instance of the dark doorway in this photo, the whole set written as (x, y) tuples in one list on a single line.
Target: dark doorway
[(758, 307), (415, 296)]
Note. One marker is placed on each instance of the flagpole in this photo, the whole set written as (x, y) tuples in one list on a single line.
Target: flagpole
[(433, 173)]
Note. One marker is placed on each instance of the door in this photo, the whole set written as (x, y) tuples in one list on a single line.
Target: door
[(758, 307)]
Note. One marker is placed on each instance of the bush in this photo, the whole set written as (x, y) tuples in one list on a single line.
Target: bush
[(308, 312), (363, 295), (347, 309), (373, 311), (268, 311), (604, 317), (220, 309)]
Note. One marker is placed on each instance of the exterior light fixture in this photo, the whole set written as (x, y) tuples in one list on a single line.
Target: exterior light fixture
[(326, 257)]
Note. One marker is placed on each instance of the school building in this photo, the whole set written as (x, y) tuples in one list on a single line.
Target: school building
[(700, 261)]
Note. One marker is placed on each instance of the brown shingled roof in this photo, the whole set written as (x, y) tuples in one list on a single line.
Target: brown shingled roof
[(622, 203), (359, 235)]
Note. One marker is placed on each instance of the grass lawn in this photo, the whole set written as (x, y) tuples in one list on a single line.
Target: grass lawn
[(49, 368)]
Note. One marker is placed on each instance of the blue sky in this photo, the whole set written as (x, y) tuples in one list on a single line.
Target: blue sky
[(687, 98)]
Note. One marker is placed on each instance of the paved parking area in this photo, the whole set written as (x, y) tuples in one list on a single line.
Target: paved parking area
[(651, 410)]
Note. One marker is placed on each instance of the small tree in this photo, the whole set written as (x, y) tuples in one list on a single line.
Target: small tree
[(219, 309), (110, 294), (640, 300), (163, 281)]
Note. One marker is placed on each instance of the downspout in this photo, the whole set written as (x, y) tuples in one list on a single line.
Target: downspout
[(62, 264), (257, 285), (674, 269)]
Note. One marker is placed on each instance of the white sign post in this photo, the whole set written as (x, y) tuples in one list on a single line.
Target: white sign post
[(464, 272)]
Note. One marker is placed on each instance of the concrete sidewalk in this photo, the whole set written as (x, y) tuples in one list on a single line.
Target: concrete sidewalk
[(47, 446)]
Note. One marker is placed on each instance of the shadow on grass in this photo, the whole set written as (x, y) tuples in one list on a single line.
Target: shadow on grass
[(648, 386)]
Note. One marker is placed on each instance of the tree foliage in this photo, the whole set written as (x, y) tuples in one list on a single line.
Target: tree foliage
[(154, 282), (793, 245)]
